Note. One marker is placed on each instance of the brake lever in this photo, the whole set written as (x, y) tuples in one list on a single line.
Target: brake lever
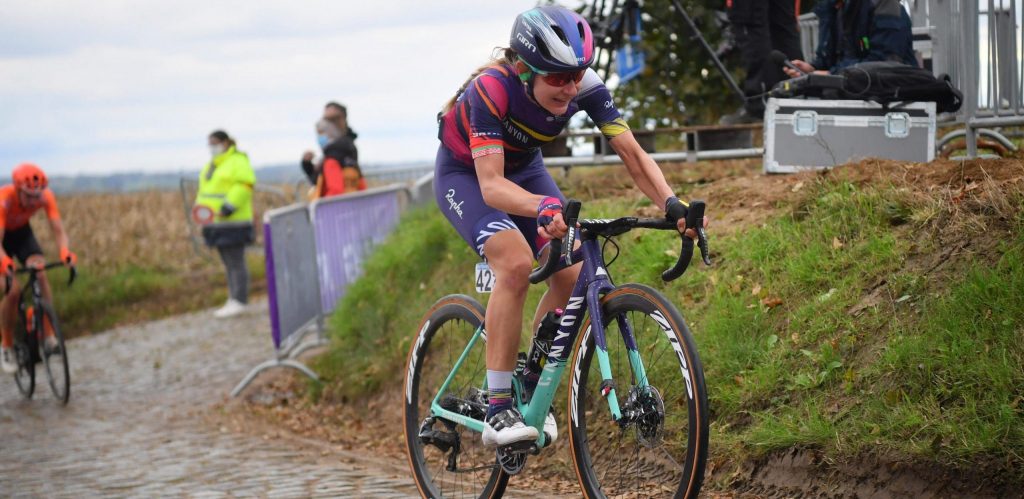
[(702, 243), (571, 214)]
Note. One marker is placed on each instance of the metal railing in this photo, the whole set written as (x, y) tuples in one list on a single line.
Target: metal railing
[(980, 45)]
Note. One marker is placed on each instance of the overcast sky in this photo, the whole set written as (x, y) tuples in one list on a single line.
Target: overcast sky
[(120, 86)]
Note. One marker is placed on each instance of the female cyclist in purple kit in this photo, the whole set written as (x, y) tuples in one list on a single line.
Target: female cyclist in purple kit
[(491, 183)]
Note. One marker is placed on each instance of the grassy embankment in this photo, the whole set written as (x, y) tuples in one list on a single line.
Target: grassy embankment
[(136, 262), (878, 312)]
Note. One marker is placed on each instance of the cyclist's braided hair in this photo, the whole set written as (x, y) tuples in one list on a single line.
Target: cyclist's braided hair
[(500, 56)]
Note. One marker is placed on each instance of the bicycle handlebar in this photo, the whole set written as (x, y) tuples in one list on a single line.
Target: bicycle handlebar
[(72, 272), (560, 248), (694, 220)]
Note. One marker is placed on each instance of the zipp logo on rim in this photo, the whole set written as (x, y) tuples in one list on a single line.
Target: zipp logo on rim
[(576, 378), (663, 322), (412, 360)]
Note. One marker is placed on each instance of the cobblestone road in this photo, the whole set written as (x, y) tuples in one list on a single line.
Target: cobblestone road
[(135, 425)]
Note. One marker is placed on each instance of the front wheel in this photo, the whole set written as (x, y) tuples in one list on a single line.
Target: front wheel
[(56, 360), (659, 446), (447, 458), (25, 377)]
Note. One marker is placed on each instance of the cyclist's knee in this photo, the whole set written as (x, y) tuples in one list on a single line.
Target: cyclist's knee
[(511, 259), (36, 261)]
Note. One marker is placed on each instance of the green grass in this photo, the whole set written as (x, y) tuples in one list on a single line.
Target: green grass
[(100, 299), (815, 330)]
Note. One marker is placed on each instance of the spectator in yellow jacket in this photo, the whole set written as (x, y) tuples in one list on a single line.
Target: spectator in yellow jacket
[(224, 209)]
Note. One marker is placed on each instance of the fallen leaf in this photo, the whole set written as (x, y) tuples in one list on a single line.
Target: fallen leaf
[(798, 186), (823, 298), (771, 302), (836, 243), (757, 290)]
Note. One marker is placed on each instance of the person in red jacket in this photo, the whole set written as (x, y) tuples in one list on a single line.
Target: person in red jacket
[(18, 202), (339, 171)]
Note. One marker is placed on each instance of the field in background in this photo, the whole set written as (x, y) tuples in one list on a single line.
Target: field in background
[(136, 260)]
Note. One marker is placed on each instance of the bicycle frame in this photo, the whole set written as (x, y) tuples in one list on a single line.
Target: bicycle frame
[(586, 296)]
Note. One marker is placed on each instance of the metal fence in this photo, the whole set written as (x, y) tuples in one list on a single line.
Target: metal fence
[(406, 173), (980, 45), (313, 253)]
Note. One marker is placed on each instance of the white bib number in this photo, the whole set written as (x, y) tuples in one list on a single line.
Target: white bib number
[(484, 278)]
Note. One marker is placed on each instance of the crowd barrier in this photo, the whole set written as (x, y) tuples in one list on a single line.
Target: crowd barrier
[(313, 253)]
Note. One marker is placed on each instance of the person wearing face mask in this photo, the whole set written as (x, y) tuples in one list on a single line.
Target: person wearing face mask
[(338, 171), (491, 183), (223, 208)]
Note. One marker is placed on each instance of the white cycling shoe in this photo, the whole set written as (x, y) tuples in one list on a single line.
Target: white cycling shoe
[(506, 428), (550, 428), (7, 362)]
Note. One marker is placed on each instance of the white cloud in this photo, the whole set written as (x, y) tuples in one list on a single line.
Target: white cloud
[(127, 86)]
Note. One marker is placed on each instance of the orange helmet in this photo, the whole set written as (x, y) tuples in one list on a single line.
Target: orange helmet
[(29, 177)]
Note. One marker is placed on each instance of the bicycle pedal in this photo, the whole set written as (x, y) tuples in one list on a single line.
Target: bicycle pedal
[(524, 447)]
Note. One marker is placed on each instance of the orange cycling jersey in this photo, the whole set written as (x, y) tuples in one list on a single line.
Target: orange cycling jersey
[(14, 215)]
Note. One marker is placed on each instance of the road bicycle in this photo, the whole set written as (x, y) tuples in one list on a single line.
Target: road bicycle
[(29, 346), (638, 416)]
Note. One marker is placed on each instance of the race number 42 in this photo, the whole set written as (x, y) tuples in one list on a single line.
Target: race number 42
[(484, 278)]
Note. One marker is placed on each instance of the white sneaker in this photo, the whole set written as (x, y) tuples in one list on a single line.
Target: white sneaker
[(506, 428), (230, 309), (7, 362), (550, 428), (50, 345)]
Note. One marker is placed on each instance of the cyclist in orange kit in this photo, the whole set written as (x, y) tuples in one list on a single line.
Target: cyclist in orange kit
[(18, 202)]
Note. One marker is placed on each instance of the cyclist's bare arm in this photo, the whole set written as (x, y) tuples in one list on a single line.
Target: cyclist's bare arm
[(642, 168), (646, 173), (503, 194), (57, 227)]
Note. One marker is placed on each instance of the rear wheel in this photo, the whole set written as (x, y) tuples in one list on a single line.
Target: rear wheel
[(449, 459), (659, 447), (56, 361)]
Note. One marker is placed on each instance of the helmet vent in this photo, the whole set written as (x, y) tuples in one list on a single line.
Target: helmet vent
[(561, 34), (543, 48)]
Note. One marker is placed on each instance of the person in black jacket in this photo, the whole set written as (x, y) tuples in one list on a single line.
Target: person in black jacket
[(854, 31), (338, 172), (761, 26)]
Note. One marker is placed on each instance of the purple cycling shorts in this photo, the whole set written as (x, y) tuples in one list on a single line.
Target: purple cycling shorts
[(457, 191)]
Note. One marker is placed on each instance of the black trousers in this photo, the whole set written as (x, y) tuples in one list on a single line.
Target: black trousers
[(762, 26)]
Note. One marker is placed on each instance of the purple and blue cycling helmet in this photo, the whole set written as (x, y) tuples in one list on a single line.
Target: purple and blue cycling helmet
[(553, 39)]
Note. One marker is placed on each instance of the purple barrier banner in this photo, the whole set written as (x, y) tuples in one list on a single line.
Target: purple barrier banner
[(292, 288), (347, 228)]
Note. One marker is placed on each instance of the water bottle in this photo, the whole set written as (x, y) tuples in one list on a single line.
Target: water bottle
[(539, 348)]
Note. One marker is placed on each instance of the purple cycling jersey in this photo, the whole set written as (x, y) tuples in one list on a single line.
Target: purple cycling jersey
[(496, 116)]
